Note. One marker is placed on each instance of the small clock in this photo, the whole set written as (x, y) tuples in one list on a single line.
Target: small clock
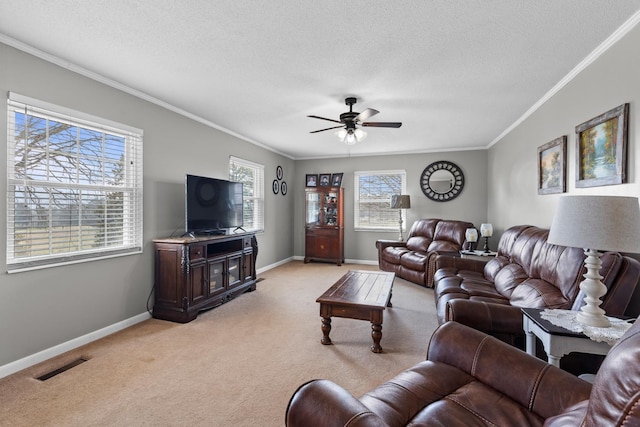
[(442, 181)]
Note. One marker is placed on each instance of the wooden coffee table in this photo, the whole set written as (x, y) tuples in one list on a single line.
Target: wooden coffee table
[(359, 294)]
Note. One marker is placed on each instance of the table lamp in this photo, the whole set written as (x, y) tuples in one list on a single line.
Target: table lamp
[(606, 223), (471, 234), (400, 201), (486, 230)]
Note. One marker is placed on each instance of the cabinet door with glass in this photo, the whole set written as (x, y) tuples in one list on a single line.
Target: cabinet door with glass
[(323, 207), (324, 224)]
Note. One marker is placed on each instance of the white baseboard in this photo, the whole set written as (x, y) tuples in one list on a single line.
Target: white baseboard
[(34, 359)]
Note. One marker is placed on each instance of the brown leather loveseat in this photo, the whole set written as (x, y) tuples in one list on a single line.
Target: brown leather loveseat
[(527, 272), (473, 379), (414, 260)]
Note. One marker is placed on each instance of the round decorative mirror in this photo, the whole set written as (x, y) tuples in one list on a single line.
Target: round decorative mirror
[(442, 181)]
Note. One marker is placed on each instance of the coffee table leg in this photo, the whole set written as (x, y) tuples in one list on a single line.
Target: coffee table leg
[(390, 295), (376, 334), (326, 328)]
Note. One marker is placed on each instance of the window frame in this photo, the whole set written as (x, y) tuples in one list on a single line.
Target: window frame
[(129, 234), (392, 225), (258, 190)]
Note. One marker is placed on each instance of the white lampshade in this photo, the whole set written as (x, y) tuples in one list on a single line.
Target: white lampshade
[(593, 223), (471, 234), (400, 201), (605, 223), (486, 230)]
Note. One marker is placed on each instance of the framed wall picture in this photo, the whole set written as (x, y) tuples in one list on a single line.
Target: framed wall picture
[(312, 180), (601, 149), (552, 166), (325, 179), (336, 179)]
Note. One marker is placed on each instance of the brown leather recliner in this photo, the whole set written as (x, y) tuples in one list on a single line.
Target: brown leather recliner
[(473, 379), (527, 272), (415, 259)]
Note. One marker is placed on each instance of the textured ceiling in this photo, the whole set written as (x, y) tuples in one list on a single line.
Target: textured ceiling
[(457, 73)]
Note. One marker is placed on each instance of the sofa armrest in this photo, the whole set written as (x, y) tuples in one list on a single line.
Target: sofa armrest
[(432, 264), (324, 403), (484, 316), (381, 244), (490, 361)]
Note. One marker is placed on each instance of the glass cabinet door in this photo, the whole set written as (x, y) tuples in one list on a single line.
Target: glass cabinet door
[(313, 208), (216, 276), (234, 270), (330, 208)]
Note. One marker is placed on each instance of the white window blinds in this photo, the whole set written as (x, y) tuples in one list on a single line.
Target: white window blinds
[(252, 176), (372, 192), (74, 186)]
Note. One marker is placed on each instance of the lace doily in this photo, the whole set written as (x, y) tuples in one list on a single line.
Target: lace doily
[(567, 319)]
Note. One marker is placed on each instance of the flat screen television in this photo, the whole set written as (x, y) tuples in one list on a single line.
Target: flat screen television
[(212, 205)]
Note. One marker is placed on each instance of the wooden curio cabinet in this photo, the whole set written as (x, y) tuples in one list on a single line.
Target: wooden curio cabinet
[(324, 225), (198, 273)]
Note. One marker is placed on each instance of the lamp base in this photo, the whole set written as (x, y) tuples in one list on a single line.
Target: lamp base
[(486, 245), (591, 314)]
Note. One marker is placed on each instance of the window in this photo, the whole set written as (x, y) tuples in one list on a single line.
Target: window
[(74, 186), (373, 191), (252, 176)]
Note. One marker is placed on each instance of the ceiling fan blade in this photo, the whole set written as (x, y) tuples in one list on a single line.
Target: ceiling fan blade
[(324, 118), (322, 130), (383, 124), (369, 112)]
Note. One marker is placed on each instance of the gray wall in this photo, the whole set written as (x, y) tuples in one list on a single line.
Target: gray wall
[(42, 309), (470, 205), (610, 81)]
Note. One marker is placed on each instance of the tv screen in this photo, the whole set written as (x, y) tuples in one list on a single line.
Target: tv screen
[(212, 205)]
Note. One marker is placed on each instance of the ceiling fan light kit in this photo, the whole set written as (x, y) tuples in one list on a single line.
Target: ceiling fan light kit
[(351, 122)]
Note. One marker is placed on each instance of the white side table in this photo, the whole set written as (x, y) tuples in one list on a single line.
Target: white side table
[(557, 341)]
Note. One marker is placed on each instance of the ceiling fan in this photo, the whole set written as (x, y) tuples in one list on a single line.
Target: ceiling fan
[(352, 121)]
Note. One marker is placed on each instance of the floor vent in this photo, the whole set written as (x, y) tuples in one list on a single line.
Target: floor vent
[(62, 369)]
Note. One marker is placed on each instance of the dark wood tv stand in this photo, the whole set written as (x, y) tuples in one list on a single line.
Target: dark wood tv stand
[(198, 273)]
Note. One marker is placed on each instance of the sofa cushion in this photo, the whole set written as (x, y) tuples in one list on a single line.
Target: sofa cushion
[(419, 243), (414, 260), (393, 254)]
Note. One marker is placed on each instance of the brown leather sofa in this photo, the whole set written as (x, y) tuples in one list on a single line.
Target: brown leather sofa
[(527, 272), (472, 379), (414, 260)]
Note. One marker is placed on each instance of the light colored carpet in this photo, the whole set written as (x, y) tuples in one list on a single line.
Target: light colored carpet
[(235, 365)]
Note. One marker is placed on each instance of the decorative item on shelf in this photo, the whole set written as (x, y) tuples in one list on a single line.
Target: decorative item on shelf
[(325, 179), (312, 180), (336, 179), (400, 201), (471, 234), (486, 230), (594, 223)]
